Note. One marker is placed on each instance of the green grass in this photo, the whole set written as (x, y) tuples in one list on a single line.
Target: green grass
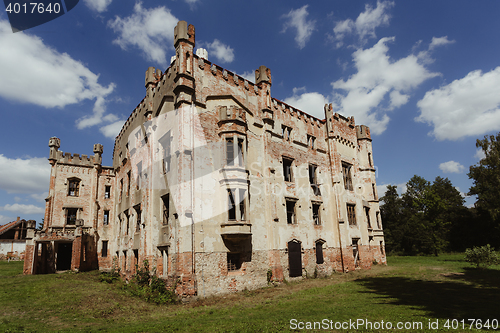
[(408, 289)]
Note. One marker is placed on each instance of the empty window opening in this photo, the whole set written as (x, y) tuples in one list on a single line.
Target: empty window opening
[(106, 218), (64, 254), (375, 197), (311, 141), (286, 132), (138, 182), (107, 192), (287, 169), (104, 249), (231, 207), (377, 214), (355, 251), (346, 173), (166, 208), (370, 162), (166, 142), (71, 216), (164, 254), (319, 252), (295, 258), (242, 200), (351, 214), (240, 152), (229, 151), (138, 213), (368, 221), (382, 247), (121, 188), (127, 216), (128, 183), (74, 188), (316, 213), (290, 211), (233, 261)]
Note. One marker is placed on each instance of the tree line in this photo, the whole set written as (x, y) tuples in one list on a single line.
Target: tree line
[(430, 218)]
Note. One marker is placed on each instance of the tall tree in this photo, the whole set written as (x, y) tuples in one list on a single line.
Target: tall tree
[(391, 214)]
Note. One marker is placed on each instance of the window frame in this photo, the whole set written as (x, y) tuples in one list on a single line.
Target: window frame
[(68, 219), (351, 214), (76, 188), (105, 217), (347, 176), (317, 220), (287, 176), (165, 200), (291, 214), (107, 191)]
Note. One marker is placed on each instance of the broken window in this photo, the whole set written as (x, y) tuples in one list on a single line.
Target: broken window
[(166, 208), (311, 140), (138, 213), (290, 211), (286, 132), (315, 212), (313, 179), (73, 187), (382, 247), (351, 214), (104, 251), (229, 151), (368, 221), (128, 183), (287, 169), (319, 252), (241, 199), (127, 216), (71, 216), (107, 192), (164, 255), (121, 188), (231, 207), (233, 261), (374, 192), (240, 152), (138, 182), (370, 159), (378, 219), (355, 251), (166, 142), (346, 173), (106, 218)]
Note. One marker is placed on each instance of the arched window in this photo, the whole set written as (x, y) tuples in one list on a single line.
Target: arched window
[(73, 187)]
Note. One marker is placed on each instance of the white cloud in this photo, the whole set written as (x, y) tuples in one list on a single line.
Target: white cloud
[(40, 196), (24, 175), (378, 78), (365, 24), (249, 75), (451, 167), (149, 30), (55, 79), (5, 219), (112, 130), (312, 103), (23, 209), (479, 154), (98, 5), (297, 18), (224, 53), (466, 107), (438, 41)]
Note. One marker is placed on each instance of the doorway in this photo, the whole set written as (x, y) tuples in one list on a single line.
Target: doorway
[(64, 254)]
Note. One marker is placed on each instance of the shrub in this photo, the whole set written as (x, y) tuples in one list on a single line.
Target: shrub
[(482, 257), (147, 285), (112, 275)]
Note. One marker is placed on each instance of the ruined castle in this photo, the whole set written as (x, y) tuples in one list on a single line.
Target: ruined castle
[(218, 185)]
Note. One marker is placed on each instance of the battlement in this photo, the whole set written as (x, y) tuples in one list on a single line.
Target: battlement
[(294, 112), (363, 132), (60, 157)]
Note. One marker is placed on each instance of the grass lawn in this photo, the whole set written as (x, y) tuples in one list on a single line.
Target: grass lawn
[(409, 289)]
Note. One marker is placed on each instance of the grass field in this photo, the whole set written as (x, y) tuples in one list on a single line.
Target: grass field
[(409, 289)]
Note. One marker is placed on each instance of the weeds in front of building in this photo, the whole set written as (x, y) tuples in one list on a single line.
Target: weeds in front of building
[(144, 284)]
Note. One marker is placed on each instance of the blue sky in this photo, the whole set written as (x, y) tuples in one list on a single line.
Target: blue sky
[(423, 75)]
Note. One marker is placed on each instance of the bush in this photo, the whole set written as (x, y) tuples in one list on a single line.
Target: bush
[(482, 257), (148, 286), (112, 275)]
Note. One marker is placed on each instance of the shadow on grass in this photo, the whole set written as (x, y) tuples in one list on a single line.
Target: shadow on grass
[(448, 299)]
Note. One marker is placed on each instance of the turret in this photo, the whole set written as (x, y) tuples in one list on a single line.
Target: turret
[(98, 149), (54, 144)]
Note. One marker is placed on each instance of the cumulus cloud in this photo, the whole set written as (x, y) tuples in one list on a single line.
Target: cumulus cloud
[(23, 209), (149, 30), (451, 167), (249, 75), (113, 129), (24, 175), (56, 79), (439, 41), (5, 219), (297, 19), (222, 52), (98, 5), (479, 154), (380, 85), (312, 103), (469, 106), (365, 24)]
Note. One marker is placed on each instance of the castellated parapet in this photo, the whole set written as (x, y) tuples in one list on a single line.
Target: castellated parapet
[(217, 184)]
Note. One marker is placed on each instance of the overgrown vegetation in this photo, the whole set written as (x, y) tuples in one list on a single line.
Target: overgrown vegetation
[(482, 257), (148, 286), (409, 289)]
